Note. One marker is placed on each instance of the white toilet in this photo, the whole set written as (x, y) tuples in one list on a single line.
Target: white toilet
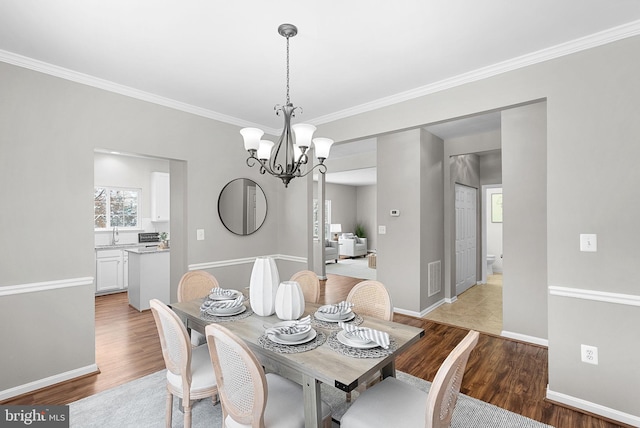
[(491, 259)]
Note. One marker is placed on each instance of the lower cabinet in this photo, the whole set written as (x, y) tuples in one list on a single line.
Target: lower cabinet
[(110, 271)]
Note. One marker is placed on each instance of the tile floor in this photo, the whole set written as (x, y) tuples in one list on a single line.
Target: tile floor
[(479, 308)]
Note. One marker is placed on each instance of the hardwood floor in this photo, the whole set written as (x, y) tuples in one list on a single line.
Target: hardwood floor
[(506, 373)]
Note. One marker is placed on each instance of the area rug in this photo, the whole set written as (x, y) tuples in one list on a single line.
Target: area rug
[(141, 403), (356, 268)]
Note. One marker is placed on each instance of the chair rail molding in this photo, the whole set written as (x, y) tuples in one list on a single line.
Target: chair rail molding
[(45, 286), (598, 296), (245, 260)]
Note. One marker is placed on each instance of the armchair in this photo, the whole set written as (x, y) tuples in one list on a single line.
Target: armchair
[(331, 251), (352, 246)]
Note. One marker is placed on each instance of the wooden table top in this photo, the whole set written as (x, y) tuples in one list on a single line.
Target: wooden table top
[(322, 363)]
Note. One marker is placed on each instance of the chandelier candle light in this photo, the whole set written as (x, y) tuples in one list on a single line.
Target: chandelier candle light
[(286, 159)]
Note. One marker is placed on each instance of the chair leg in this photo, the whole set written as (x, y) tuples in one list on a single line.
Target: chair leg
[(169, 409), (348, 394), (187, 415)]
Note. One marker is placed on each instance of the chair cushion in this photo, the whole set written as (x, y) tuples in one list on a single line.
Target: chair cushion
[(390, 403), (202, 376), (285, 405)]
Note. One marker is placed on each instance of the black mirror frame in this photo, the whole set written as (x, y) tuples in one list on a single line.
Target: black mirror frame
[(266, 207)]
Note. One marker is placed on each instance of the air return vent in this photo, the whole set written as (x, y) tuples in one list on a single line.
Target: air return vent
[(434, 270)]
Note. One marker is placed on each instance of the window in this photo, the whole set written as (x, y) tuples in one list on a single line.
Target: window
[(316, 219), (116, 207)]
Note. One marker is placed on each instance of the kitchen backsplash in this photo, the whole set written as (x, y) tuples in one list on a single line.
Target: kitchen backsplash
[(129, 236)]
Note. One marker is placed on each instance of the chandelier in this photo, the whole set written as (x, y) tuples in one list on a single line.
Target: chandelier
[(286, 159)]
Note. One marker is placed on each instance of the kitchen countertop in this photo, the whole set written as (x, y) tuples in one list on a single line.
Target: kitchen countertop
[(147, 250), (127, 246)]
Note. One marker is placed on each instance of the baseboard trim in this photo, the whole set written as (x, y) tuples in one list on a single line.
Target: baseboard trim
[(594, 408), (45, 286), (406, 312), (246, 260), (48, 381), (525, 338)]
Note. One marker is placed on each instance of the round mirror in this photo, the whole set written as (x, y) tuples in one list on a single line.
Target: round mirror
[(242, 206)]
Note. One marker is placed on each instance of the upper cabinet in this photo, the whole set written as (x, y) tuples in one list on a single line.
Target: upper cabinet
[(160, 196)]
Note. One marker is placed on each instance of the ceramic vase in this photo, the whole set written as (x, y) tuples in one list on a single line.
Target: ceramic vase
[(289, 301), (263, 286)]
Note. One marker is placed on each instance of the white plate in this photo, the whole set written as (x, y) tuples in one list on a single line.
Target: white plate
[(234, 296), (239, 310), (312, 335), (293, 336), (334, 316), (346, 341), (322, 317)]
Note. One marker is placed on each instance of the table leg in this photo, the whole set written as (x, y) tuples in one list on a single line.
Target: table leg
[(312, 403), (389, 370)]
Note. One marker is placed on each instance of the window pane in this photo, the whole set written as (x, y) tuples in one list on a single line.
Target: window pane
[(100, 208)]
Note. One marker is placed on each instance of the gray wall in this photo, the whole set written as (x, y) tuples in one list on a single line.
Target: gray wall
[(366, 197), (49, 128), (592, 135), (524, 189), (431, 214)]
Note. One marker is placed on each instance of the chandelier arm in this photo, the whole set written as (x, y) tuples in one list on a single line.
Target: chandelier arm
[(322, 169)]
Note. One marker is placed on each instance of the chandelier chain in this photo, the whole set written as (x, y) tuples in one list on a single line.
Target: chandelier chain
[(288, 101)]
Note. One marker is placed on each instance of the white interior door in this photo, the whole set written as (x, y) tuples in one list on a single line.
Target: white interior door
[(466, 231)]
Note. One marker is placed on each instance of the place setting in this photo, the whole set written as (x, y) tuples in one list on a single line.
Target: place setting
[(224, 305), (328, 316), (294, 336), (361, 342)]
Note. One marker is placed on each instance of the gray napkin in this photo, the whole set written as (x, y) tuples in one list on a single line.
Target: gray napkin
[(377, 336)]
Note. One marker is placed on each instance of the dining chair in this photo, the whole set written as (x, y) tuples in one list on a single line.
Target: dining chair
[(310, 285), (370, 298), (190, 376), (396, 403), (249, 397), (194, 285)]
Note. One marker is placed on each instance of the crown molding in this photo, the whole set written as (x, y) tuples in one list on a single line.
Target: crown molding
[(593, 40), (96, 82), (577, 45)]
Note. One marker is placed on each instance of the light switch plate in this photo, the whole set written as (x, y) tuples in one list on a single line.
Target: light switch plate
[(200, 234), (382, 230), (588, 242)]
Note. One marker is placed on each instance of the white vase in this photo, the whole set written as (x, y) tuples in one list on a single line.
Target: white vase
[(263, 286), (289, 301)]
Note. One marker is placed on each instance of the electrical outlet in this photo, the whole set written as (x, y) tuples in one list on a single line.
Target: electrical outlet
[(589, 354)]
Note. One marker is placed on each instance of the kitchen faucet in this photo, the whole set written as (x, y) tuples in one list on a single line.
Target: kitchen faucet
[(114, 235)]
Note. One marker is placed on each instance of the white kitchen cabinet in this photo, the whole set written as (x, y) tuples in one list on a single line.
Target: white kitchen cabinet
[(109, 271), (160, 196)]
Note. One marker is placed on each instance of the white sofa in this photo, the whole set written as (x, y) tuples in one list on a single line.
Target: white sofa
[(352, 246), (331, 251)]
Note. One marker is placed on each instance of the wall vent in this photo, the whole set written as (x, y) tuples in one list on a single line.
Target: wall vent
[(434, 271)]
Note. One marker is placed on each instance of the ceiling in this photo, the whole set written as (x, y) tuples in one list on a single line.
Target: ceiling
[(225, 59)]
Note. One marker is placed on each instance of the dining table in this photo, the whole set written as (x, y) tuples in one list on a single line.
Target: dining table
[(322, 360)]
